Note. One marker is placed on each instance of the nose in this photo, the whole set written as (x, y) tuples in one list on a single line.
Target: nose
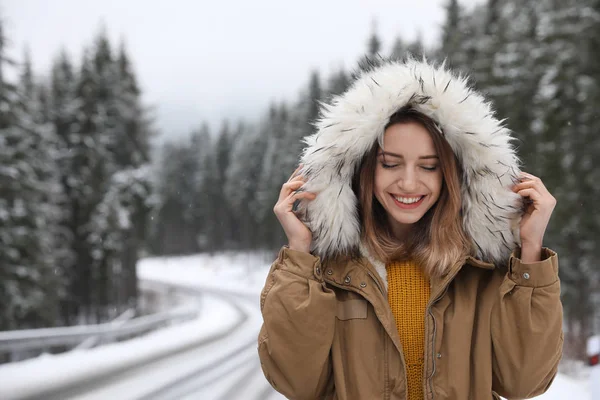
[(408, 180)]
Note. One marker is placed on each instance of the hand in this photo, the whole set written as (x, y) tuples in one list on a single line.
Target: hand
[(539, 206), (299, 236)]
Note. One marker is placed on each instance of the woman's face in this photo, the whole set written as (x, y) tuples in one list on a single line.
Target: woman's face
[(408, 176)]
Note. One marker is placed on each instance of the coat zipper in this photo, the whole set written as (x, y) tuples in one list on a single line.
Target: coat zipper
[(386, 361), (386, 368), (430, 378)]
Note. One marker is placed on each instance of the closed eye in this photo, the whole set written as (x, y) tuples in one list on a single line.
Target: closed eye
[(387, 166)]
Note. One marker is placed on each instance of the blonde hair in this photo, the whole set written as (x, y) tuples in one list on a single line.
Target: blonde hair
[(438, 239)]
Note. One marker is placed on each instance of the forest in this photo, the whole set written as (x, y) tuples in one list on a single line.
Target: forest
[(84, 194)]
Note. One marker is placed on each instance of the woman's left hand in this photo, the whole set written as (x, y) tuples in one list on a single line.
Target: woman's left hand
[(539, 206)]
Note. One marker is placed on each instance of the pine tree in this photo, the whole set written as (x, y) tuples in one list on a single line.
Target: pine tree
[(30, 283), (133, 145), (374, 43), (339, 82), (277, 165), (216, 165), (452, 35), (399, 49), (44, 207), (178, 211), (132, 156), (203, 213), (82, 163), (11, 202), (242, 179), (118, 223), (94, 126), (63, 108), (107, 131), (373, 56), (417, 48), (116, 230)]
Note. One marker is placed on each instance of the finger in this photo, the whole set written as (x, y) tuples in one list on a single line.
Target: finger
[(527, 177), (523, 185), (532, 194), (301, 196), (289, 187), (287, 204), (296, 172), (292, 198), (524, 174), (298, 178), (294, 184), (532, 183)]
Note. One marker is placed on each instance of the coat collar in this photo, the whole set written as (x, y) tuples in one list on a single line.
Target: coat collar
[(380, 269)]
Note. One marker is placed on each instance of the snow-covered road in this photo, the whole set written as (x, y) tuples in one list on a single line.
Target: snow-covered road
[(233, 370), (228, 369)]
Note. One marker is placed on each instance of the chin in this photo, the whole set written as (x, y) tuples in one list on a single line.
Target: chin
[(408, 221)]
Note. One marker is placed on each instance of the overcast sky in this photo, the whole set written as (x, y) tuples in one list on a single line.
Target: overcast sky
[(200, 60)]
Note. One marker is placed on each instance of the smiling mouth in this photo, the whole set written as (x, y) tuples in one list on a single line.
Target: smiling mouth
[(407, 203), (408, 200)]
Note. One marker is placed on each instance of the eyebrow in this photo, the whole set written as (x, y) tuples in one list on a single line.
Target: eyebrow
[(387, 153)]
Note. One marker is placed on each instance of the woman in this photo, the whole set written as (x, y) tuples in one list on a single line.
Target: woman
[(415, 267)]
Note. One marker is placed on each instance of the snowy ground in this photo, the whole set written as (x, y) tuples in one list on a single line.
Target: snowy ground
[(230, 367), (239, 272)]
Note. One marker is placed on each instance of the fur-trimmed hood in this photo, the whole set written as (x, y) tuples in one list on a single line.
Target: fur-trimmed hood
[(350, 125)]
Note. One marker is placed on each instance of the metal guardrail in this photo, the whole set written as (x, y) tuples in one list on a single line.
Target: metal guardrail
[(31, 339), (93, 341)]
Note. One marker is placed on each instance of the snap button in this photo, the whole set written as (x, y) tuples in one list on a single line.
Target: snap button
[(347, 279), (363, 285), (526, 275), (330, 272), (439, 355)]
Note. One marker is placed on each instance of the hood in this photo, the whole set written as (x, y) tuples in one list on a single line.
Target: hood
[(350, 125)]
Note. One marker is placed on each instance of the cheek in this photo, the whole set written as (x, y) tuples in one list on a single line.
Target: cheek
[(433, 182), (379, 184), (437, 183), (377, 188), (377, 180)]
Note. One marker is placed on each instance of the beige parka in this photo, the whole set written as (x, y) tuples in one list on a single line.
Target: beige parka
[(329, 333), (493, 325)]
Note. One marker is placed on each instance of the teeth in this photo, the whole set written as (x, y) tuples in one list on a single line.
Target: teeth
[(407, 200)]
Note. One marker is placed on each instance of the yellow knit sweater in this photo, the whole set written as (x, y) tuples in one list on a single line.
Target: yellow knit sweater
[(408, 294)]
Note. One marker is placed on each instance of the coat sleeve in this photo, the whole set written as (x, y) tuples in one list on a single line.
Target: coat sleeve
[(526, 328), (294, 343)]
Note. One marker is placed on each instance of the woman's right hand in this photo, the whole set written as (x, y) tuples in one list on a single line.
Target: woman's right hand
[(298, 234)]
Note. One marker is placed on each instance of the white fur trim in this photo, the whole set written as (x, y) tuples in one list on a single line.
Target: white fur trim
[(352, 123)]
